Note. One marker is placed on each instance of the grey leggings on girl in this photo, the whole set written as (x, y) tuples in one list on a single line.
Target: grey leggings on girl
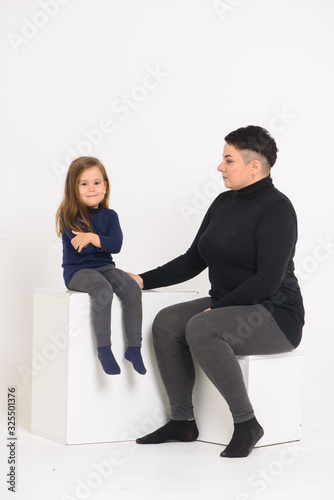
[(101, 283), (214, 338)]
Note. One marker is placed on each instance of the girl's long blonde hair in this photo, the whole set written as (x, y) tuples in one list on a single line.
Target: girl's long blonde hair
[(72, 212)]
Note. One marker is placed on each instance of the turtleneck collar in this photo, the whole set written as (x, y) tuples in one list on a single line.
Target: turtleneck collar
[(254, 189), (94, 210)]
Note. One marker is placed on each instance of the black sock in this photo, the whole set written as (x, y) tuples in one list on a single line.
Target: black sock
[(174, 430), (107, 360), (133, 354), (245, 436)]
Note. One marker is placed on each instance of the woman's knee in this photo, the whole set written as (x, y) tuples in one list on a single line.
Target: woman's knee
[(168, 324), (161, 323), (197, 330)]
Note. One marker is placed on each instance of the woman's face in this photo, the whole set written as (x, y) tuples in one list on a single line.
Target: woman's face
[(236, 173)]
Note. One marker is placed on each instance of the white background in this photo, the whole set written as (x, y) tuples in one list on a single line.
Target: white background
[(68, 65)]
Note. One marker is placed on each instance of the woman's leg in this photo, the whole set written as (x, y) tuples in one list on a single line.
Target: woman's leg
[(215, 338), (177, 370), (173, 355), (101, 295)]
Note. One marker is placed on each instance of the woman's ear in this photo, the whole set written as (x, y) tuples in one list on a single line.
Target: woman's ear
[(256, 167)]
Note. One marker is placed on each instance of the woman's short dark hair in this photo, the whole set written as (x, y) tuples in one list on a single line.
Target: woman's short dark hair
[(253, 138)]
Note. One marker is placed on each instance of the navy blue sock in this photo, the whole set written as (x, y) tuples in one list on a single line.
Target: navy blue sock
[(133, 354), (107, 360)]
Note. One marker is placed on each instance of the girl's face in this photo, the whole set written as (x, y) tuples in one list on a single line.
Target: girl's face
[(92, 187)]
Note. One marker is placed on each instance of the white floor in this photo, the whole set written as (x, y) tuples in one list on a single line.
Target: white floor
[(47, 470)]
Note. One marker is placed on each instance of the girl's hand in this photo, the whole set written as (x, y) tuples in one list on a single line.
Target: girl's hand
[(207, 309), (82, 240), (138, 279)]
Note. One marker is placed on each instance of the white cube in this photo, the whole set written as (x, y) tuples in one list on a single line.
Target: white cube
[(73, 400), (274, 384)]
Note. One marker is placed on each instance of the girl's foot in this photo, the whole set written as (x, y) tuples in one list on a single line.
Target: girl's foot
[(107, 360), (133, 354)]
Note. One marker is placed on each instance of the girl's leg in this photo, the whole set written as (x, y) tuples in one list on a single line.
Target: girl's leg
[(177, 370), (130, 294), (215, 337), (101, 295)]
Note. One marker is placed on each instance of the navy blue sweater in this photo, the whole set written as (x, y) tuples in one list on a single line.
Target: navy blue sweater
[(106, 224), (247, 241)]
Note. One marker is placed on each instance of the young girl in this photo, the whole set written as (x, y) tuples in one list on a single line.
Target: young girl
[(91, 233)]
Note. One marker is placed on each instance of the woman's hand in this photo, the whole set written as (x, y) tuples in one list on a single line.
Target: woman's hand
[(82, 240), (138, 279), (207, 309)]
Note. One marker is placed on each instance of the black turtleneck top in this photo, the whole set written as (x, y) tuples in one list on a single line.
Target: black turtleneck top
[(247, 241)]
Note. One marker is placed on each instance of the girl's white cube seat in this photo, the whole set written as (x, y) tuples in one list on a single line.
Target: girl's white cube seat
[(73, 400)]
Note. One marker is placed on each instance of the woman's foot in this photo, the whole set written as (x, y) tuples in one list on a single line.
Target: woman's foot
[(174, 430), (245, 436)]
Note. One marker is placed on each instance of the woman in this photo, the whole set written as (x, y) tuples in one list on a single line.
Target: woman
[(247, 241)]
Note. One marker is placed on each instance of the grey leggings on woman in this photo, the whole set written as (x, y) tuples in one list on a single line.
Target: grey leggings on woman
[(101, 283), (214, 338)]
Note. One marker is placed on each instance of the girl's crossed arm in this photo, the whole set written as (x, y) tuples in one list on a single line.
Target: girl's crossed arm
[(81, 240), (110, 240)]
